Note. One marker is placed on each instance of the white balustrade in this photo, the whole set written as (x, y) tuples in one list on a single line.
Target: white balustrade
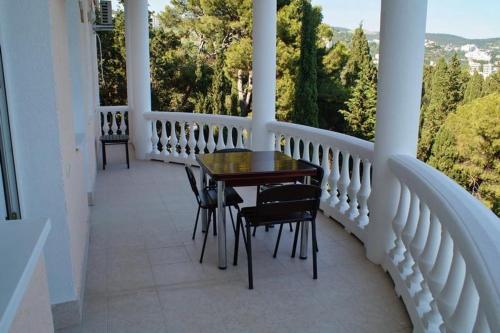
[(444, 261), (112, 119), (346, 187), (177, 140)]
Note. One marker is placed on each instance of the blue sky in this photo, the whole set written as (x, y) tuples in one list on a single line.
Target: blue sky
[(466, 18)]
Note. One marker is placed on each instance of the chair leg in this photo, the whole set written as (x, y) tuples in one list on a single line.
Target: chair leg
[(126, 152), (291, 228), (278, 241), (232, 219), (314, 250), (254, 230), (249, 258), (103, 156), (196, 223), (237, 239), (295, 238), (206, 235)]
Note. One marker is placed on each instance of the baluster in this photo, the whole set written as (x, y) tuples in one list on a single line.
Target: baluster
[(114, 126), (123, 125), (398, 223), (449, 296), (437, 278), (230, 143), (343, 184), (173, 139), (211, 141), (220, 138), (425, 262), (164, 139), (154, 138), (464, 317), (405, 266), (315, 158), (239, 141), (287, 146), (248, 139), (183, 140), (296, 148), (333, 179), (201, 139), (363, 195), (305, 155), (325, 165), (105, 125), (277, 142), (481, 324), (354, 188), (192, 141), (416, 248)]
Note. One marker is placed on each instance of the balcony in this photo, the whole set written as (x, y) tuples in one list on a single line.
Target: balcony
[(143, 272)]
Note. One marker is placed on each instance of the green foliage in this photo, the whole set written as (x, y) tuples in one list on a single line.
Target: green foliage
[(443, 94), (359, 76), (306, 93), (361, 107), (467, 149), (359, 57), (492, 84), (474, 88), (218, 89)]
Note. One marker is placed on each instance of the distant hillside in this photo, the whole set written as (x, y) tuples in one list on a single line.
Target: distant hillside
[(441, 39)]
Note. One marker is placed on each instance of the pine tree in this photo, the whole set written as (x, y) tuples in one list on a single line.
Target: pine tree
[(492, 84), (306, 93), (444, 95), (359, 55), (361, 107), (474, 88), (218, 88), (466, 149)]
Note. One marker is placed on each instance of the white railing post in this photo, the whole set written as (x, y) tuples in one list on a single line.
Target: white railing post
[(402, 37), (264, 72), (138, 72)]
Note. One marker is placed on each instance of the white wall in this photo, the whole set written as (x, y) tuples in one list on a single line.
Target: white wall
[(41, 95)]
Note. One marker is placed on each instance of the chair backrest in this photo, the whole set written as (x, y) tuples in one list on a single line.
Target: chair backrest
[(192, 182), (317, 179), (233, 150), (281, 202)]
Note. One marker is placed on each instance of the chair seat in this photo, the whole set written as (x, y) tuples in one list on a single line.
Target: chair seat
[(250, 215), (114, 138), (208, 197)]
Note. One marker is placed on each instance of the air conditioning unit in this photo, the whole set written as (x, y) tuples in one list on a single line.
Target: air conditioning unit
[(106, 13), (105, 22)]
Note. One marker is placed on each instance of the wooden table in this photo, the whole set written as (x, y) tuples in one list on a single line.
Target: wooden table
[(249, 169)]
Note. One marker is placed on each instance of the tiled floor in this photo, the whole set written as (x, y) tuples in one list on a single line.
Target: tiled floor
[(143, 272)]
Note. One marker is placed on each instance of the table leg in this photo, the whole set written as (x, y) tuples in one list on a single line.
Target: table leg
[(304, 228), (204, 212), (221, 225)]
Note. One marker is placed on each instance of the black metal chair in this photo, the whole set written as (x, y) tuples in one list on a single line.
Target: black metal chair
[(316, 179), (279, 205), (111, 137), (207, 199)]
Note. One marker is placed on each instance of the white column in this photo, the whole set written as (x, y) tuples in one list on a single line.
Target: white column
[(137, 27), (402, 37), (264, 72)]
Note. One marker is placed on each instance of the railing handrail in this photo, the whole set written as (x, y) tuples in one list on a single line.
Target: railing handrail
[(471, 225), (113, 108), (211, 119), (354, 145)]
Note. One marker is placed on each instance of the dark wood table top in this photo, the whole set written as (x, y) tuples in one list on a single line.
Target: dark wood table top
[(253, 168)]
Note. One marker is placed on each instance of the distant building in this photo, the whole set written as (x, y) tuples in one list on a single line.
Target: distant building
[(488, 69), (468, 47), (478, 55)]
